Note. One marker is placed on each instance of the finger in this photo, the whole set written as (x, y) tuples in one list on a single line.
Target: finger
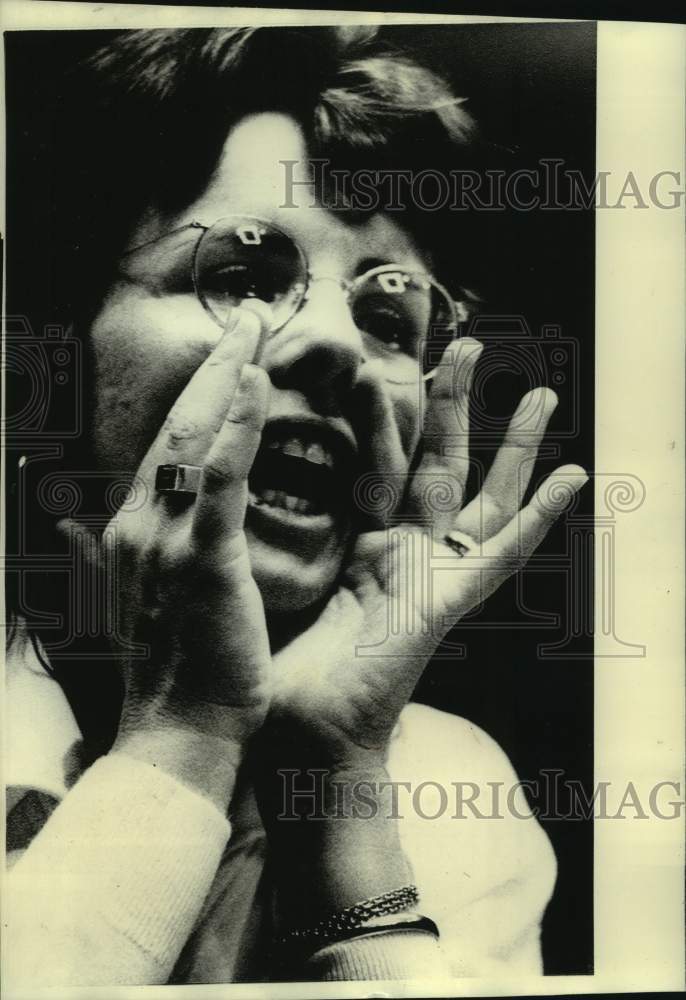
[(222, 499), (514, 544), (437, 487), (74, 531), (197, 414), (68, 527), (86, 547), (379, 492), (508, 478)]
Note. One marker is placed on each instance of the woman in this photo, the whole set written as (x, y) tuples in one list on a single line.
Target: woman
[(259, 358)]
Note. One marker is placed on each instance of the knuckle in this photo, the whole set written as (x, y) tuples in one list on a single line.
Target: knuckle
[(122, 533), (217, 475), (221, 357), (494, 506), (245, 416), (236, 418), (179, 428), (128, 545), (212, 571), (166, 561)]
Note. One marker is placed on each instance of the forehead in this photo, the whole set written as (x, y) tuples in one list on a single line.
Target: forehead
[(251, 178)]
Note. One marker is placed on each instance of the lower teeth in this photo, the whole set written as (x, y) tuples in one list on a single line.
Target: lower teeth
[(277, 498)]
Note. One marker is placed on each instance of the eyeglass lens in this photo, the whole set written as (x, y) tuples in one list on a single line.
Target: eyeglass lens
[(405, 318)]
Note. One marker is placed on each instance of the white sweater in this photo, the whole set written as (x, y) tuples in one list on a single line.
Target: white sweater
[(136, 879)]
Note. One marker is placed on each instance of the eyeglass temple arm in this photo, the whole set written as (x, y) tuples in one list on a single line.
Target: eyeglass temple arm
[(169, 232)]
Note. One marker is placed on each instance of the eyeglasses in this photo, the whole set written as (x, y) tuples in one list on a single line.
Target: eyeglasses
[(405, 317)]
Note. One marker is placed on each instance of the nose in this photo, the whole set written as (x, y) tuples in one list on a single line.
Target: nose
[(319, 351)]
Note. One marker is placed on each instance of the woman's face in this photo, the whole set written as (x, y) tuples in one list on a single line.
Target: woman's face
[(329, 406)]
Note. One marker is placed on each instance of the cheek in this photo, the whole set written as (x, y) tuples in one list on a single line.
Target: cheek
[(144, 351)]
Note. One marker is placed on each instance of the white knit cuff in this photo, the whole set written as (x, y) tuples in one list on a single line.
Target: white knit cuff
[(132, 850), (406, 954)]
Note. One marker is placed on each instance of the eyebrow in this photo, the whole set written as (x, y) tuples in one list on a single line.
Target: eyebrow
[(370, 262)]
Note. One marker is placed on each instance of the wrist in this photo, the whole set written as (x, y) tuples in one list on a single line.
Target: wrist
[(336, 846), (201, 759), (286, 741)]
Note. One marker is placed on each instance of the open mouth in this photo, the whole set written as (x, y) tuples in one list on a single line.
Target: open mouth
[(305, 468)]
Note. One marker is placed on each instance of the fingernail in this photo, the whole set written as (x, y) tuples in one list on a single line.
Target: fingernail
[(545, 397), (563, 491), (469, 348), (255, 306), (535, 403), (577, 474), (261, 310)]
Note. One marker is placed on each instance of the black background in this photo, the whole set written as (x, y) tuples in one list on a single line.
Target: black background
[(532, 89)]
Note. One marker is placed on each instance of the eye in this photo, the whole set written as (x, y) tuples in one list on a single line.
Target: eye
[(385, 321), (381, 323), (238, 281)]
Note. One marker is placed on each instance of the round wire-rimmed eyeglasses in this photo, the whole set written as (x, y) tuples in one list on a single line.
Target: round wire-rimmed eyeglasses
[(405, 317)]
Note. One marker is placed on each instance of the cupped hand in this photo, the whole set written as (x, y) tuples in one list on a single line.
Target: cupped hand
[(180, 565), (340, 686)]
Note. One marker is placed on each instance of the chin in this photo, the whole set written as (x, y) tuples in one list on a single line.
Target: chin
[(291, 581)]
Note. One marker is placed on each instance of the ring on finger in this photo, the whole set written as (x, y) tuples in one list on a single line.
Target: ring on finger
[(460, 542), (178, 479)]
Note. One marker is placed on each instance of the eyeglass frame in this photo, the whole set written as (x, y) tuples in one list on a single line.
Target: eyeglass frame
[(347, 285)]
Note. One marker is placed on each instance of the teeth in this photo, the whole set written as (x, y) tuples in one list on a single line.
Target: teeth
[(300, 448), (277, 498), (294, 447), (297, 448), (315, 453)]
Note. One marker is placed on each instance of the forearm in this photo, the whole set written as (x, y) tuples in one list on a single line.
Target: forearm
[(324, 865), (343, 846), (109, 890)]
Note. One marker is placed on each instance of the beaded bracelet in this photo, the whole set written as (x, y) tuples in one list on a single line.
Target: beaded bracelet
[(389, 924), (338, 926)]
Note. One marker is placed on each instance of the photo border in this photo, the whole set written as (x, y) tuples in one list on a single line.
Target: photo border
[(640, 309)]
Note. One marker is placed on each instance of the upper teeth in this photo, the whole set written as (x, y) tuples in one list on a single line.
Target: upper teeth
[(311, 451)]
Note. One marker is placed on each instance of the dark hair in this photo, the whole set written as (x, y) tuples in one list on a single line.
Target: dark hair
[(141, 122), (147, 114)]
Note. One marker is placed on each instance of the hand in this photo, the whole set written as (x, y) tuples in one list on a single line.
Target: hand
[(184, 582), (406, 588)]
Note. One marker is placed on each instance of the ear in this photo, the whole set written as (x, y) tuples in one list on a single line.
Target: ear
[(355, 36), (468, 304)]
